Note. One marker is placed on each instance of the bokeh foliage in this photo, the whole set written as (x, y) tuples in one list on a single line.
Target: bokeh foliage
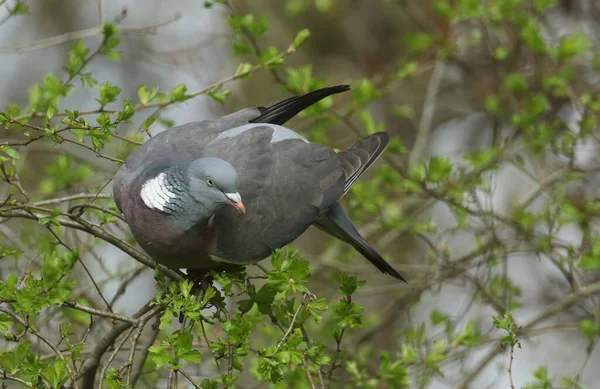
[(265, 324)]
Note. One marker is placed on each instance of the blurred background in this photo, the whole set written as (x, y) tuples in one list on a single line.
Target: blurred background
[(434, 83)]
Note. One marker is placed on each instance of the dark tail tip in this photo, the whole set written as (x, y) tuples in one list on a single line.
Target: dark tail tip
[(363, 247), (282, 111)]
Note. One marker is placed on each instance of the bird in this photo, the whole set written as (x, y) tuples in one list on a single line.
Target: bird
[(235, 189)]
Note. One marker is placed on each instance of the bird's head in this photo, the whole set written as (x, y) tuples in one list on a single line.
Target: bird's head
[(213, 183)]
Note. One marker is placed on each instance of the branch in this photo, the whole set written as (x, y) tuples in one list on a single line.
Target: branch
[(291, 326), (97, 207), (80, 196), (552, 310), (113, 355), (135, 372), (428, 112), (563, 304), (33, 332), (88, 371), (82, 34), (99, 312), (97, 231), (7, 376), (510, 375)]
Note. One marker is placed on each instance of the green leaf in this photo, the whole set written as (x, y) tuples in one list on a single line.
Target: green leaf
[(590, 328), (192, 356), (572, 46), (500, 53), (219, 97), (242, 69), (5, 322), (159, 355), (108, 94), (323, 6), (12, 153), (270, 57), (114, 380), (179, 93), (407, 70), (146, 126), (516, 82), (365, 93), (349, 284), (591, 260), (76, 58), (111, 41), (269, 370), (300, 38), (127, 112), (419, 42), (543, 5), (439, 169), (20, 9), (531, 34), (12, 360), (56, 373)]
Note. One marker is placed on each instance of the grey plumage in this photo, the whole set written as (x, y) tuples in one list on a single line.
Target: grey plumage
[(286, 184)]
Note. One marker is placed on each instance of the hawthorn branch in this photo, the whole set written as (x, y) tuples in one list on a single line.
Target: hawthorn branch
[(428, 113), (88, 371), (112, 356), (33, 331), (510, 364), (291, 326), (97, 231), (6, 376), (80, 196), (82, 207), (135, 370), (86, 33), (550, 311), (99, 312)]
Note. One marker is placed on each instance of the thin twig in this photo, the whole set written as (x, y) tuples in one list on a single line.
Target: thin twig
[(4, 375), (291, 326), (34, 332), (97, 207), (429, 106), (98, 232), (136, 370), (87, 33), (187, 377), (510, 364), (310, 379), (88, 371), (208, 343), (112, 356), (98, 312), (123, 286), (80, 196)]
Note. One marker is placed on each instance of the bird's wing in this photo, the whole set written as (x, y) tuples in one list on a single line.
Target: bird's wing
[(185, 143), (358, 157), (355, 160), (286, 184)]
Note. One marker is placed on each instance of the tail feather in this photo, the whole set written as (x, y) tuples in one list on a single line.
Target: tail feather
[(282, 111), (337, 223)]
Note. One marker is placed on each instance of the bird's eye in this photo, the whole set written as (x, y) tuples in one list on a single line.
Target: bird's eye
[(210, 182)]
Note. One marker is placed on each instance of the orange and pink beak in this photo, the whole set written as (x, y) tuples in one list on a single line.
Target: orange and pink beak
[(235, 200)]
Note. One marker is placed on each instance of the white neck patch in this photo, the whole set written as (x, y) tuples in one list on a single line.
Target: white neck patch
[(156, 192)]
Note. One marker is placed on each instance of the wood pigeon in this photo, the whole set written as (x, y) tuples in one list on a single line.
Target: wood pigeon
[(235, 189)]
